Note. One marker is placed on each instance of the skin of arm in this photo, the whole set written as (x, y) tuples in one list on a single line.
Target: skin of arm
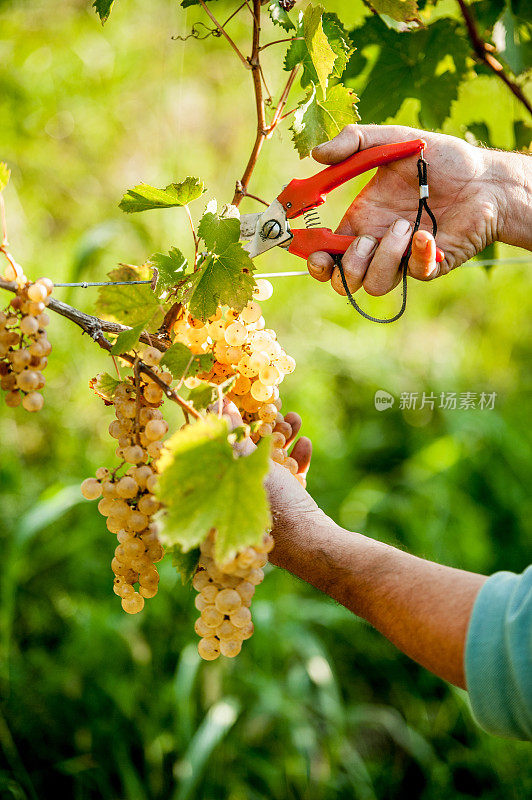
[(422, 607), (478, 196)]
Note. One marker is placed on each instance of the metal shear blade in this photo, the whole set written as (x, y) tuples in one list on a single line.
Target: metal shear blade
[(265, 230)]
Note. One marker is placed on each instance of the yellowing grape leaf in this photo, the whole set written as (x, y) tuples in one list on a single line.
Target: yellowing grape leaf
[(299, 52), (178, 357), (400, 10), (104, 385), (203, 485), (317, 120), (130, 305), (5, 173), (171, 268), (144, 197)]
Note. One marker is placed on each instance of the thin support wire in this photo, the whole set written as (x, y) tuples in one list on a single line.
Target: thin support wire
[(488, 262)]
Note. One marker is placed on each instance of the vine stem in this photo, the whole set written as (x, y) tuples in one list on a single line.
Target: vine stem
[(482, 51), (95, 328), (260, 136), (224, 33)]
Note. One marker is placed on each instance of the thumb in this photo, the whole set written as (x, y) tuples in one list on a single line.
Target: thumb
[(353, 138)]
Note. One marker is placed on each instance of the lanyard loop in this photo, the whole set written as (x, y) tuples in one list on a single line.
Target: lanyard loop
[(422, 173)]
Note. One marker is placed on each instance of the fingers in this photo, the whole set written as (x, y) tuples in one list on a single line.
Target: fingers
[(343, 145), (320, 266), (422, 264), (355, 262), (359, 137), (302, 452), (381, 276), (294, 420)]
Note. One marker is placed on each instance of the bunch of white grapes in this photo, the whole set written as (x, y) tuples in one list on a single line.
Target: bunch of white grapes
[(244, 348), (24, 346), (128, 501), (224, 597)]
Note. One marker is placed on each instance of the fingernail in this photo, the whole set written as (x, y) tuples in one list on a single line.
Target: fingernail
[(365, 245), (400, 227), (422, 246), (316, 268)]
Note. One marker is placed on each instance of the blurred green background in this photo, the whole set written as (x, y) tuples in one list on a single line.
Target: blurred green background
[(96, 704)]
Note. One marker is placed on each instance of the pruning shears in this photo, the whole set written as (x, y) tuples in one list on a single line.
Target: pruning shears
[(271, 228)]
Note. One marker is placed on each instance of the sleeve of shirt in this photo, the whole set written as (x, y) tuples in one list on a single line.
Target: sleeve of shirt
[(498, 655)]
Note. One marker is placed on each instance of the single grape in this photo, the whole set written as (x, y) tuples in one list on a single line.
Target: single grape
[(91, 489), (260, 392), (230, 647), (148, 591), (250, 313), (246, 590), (127, 487), (201, 628), (209, 648), (210, 614), (156, 429), (235, 334), (263, 289), (228, 600), (151, 356), (33, 401), (269, 375), (37, 292), (200, 579), (133, 603), (241, 617)]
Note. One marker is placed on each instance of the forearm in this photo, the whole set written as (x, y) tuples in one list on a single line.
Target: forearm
[(513, 175), (422, 607)]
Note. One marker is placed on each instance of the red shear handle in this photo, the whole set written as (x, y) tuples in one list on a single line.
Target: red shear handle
[(304, 193), (310, 240)]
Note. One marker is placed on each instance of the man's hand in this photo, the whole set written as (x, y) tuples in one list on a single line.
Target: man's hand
[(469, 195), (289, 501)]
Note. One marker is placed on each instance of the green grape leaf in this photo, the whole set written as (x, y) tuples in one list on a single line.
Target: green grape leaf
[(513, 38), (280, 17), (5, 173), (187, 3), (218, 232), (185, 563), (171, 268), (130, 305), (103, 9), (225, 275), (144, 197), (178, 357), (222, 279), (338, 42), (104, 385), (202, 396), (204, 486), (317, 120), (428, 64), (400, 10), (127, 340)]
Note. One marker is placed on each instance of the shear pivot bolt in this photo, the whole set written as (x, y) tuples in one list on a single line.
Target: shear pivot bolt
[(271, 229)]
